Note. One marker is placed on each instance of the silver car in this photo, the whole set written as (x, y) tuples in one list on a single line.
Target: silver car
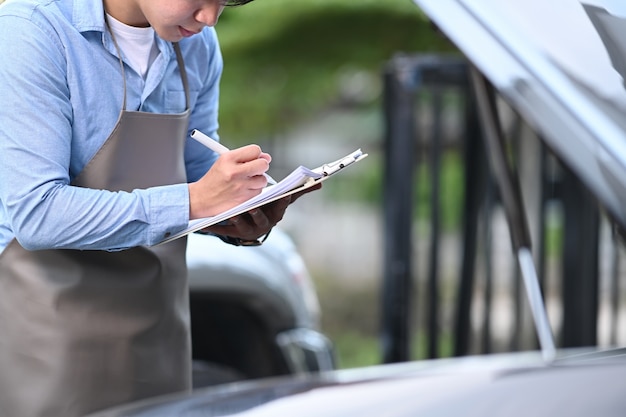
[(254, 311)]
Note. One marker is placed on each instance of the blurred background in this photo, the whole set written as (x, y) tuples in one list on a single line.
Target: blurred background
[(304, 79), (311, 81)]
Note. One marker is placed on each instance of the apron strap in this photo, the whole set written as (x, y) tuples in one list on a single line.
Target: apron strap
[(119, 57), (183, 72), (179, 60)]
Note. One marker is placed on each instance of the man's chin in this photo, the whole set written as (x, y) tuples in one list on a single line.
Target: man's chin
[(169, 35)]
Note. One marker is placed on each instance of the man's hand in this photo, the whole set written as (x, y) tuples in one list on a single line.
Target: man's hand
[(258, 222), (235, 177)]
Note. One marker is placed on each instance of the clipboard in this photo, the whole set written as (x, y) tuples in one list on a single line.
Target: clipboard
[(298, 180)]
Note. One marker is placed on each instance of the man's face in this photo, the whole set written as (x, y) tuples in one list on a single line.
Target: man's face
[(173, 20)]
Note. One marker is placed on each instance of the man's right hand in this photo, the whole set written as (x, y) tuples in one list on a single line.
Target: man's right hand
[(235, 177)]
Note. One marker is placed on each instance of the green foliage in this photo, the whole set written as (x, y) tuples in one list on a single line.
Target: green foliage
[(369, 182), (553, 238), (355, 349), (370, 188), (366, 185), (450, 188), (351, 319), (284, 59)]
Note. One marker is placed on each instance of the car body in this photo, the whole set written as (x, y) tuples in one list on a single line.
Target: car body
[(560, 64), (578, 383), (254, 311)]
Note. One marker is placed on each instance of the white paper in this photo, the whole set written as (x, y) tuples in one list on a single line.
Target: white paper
[(299, 179)]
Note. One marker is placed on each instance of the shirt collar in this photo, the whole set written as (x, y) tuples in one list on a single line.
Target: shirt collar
[(88, 16)]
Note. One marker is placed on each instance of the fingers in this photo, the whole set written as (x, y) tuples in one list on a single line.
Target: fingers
[(248, 153), (248, 161), (280, 205), (256, 183), (259, 219), (235, 177), (266, 156), (247, 226)]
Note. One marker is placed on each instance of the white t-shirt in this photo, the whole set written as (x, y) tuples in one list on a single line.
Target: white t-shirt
[(137, 44)]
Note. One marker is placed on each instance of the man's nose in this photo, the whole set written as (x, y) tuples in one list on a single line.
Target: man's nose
[(209, 13)]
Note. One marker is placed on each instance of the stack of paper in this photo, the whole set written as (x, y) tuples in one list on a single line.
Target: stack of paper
[(299, 179)]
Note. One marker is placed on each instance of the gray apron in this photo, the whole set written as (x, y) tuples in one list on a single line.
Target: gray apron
[(85, 330)]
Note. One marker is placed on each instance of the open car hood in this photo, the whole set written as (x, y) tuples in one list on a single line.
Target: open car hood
[(561, 64)]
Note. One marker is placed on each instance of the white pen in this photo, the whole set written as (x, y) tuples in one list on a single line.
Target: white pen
[(218, 148)]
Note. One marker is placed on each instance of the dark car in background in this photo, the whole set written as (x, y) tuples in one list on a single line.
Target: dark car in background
[(560, 66), (254, 311)]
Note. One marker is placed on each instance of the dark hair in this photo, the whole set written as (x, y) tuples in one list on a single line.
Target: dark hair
[(236, 2)]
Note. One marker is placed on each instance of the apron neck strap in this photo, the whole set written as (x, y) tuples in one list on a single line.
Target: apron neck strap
[(179, 60), (183, 72)]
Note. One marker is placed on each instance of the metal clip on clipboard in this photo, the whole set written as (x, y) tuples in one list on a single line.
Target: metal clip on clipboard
[(332, 167)]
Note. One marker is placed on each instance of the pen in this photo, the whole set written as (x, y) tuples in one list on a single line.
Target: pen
[(218, 148)]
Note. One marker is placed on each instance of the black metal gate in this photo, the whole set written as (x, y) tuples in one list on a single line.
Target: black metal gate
[(414, 84)]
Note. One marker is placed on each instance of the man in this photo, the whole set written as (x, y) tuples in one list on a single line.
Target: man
[(96, 167)]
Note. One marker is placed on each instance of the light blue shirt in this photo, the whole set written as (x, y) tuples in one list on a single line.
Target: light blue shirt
[(61, 93)]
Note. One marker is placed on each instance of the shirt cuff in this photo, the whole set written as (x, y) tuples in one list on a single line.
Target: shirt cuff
[(169, 211)]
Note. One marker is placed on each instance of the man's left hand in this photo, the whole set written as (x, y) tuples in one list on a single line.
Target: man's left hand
[(257, 222)]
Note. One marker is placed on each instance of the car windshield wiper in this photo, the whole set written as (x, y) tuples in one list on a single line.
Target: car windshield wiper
[(511, 196)]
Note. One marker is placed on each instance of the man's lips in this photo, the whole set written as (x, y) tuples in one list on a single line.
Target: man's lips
[(186, 33)]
